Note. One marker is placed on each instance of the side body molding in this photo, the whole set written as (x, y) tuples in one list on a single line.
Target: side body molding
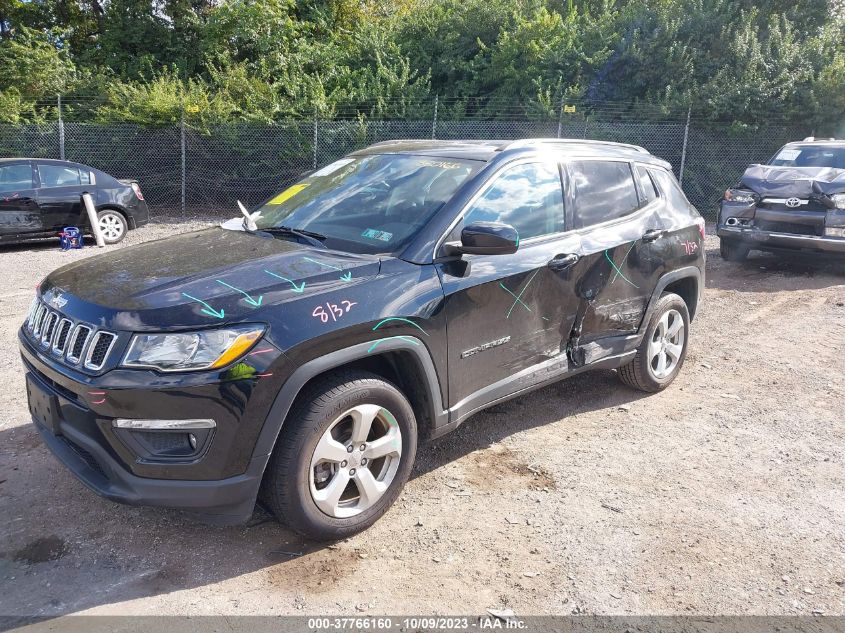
[(284, 400)]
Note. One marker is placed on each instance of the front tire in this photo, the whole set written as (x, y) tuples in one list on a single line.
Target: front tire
[(661, 353), (732, 250), (112, 226), (344, 454)]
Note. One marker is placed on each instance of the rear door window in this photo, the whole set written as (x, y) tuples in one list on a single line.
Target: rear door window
[(604, 190), (648, 192), (58, 176), (671, 190), (16, 177)]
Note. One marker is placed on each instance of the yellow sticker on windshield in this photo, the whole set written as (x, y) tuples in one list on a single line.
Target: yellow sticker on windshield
[(287, 194)]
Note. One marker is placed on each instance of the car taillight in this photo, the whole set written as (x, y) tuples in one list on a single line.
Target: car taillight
[(700, 223), (137, 189)]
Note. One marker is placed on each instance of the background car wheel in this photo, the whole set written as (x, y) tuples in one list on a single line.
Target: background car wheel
[(345, 451), (112, 225), (662, 351), (732, 251)]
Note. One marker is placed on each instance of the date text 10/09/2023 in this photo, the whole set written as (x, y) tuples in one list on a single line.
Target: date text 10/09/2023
[(428, 623)]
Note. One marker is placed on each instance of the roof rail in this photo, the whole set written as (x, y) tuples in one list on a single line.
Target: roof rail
[(394, 141), (813, 138), (530, 142)]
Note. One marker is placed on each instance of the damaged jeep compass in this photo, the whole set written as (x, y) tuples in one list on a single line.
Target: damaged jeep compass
[(795, 203), (299, 353)]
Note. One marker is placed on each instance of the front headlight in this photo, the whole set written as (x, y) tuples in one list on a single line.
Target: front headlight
[(740, 195), (192, 351), (839, 200)]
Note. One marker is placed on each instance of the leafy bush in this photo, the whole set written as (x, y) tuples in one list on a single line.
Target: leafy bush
[(221, 61)]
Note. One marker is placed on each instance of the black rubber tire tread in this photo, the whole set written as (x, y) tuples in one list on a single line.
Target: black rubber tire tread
[(732, 250), (635, 374), (314, 409)]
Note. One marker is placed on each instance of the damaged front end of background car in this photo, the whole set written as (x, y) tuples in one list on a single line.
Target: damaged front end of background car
[(784, 208)]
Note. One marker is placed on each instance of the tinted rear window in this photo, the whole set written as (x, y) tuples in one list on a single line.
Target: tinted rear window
[(648, 192), (672, 192), (58, 176), (604, 190)]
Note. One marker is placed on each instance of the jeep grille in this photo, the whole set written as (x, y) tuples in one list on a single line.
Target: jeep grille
[(70, 341)]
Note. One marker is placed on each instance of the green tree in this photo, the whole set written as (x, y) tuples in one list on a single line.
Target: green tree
[(32, 65), (546, 53)]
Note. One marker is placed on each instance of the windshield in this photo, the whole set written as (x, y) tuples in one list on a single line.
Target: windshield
[(809, 156), (368, 204)]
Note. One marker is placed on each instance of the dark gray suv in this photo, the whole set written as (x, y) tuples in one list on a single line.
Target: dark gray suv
[(384, 299)]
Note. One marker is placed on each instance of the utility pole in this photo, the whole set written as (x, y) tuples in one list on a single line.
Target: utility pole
[(61, 128), (314, 143), (183, 146), (434, 119), (560, 119), (684, 148)]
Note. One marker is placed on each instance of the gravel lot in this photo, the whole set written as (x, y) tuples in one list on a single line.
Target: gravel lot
[(721, 495)]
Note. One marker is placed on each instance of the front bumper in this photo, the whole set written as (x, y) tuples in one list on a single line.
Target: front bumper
[(771, 240), (224, 502), (776, 227), (220, 484)]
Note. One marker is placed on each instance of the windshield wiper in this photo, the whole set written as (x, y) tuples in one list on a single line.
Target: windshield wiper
[(314, 239)]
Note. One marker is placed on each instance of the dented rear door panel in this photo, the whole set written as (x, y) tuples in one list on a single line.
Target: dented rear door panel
[(619, 277)]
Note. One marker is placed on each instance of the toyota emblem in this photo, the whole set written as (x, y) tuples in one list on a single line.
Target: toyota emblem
[(793, 202)]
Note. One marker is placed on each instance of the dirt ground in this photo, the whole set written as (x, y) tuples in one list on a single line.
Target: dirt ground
[(721, 495)]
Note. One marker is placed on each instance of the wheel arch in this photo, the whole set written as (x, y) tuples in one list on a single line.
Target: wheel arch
[(111, 206), (687, 289), (404, 362), (685, 282)]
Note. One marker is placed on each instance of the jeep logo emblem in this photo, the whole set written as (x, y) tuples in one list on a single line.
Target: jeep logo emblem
[(793, 202)]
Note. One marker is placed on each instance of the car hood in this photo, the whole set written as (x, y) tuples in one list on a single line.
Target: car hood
[(786, 182), (205, 277)]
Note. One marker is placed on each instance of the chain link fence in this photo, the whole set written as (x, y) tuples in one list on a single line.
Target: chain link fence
[(182, 169)]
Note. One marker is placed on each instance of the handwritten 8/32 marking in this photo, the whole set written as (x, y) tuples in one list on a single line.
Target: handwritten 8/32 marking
[(335, 311)]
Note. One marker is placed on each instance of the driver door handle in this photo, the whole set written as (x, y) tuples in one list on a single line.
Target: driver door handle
[(653, 234), (563, 261)]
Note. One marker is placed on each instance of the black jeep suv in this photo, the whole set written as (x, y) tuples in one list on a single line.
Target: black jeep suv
[(300, 353), (795, 203)]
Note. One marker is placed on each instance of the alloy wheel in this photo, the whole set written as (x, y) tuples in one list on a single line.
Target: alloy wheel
[(355, 461), (666, 345), (111, 226)]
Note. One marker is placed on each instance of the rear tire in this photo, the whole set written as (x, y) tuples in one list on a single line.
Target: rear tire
[(732, 250), (113, 226), (661, 353), (344, 454)]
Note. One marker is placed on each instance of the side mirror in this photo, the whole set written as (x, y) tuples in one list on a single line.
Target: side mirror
[(485, 238)]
